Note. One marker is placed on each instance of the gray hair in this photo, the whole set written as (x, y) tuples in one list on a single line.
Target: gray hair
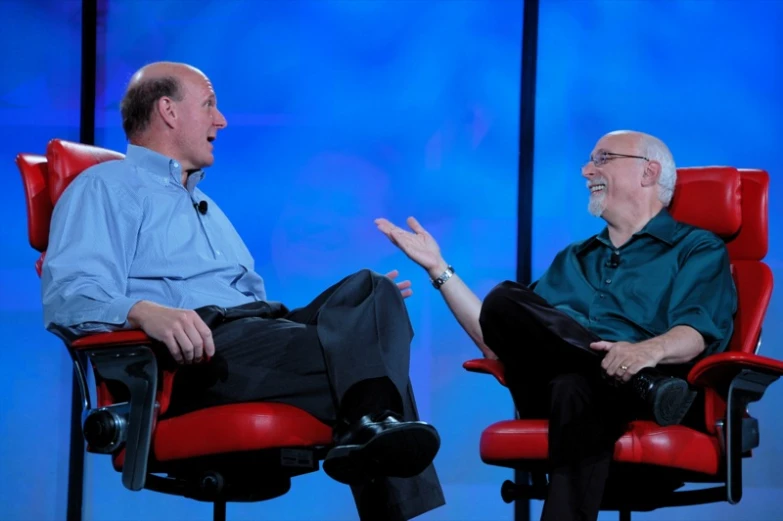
[(655, 150)]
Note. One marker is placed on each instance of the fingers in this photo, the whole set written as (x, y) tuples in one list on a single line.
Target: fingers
[(206, 335), (384, 225), (405, 284), (393, 274), (185, 345), (173, 347), (415, 226), (601, 346), (196, 341)]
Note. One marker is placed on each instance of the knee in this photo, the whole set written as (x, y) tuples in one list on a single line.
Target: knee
[(495, 304), (366, 282), (375, 279)]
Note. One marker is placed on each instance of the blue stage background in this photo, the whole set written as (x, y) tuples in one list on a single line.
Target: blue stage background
[(39, 99), (703, 76), (343, 111)]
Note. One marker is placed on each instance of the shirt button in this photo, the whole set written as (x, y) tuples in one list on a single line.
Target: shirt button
[(601, 295), (175, 164), (608, 281), (217, 253)]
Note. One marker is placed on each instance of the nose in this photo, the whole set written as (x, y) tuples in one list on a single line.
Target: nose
[(220, 120), (588, 170)]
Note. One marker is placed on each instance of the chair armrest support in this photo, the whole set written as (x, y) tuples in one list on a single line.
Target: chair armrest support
[(742, 378), (487, 366), (127, 357), (135, 367), (747, 386)]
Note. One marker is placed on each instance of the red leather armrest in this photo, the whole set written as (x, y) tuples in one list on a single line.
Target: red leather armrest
[(716, 371), (487, 366), (117, 338)]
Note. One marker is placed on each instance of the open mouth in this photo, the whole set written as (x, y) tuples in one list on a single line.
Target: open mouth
[(210, 139), (597, 188)]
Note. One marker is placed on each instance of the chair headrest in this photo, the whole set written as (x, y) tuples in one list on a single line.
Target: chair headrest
[(39, 206), (752, 241), (709, 198), (731, 202), (67, 160)]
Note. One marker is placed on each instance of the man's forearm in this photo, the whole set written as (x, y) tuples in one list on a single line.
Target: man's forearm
[(679, 345), (465, 306)]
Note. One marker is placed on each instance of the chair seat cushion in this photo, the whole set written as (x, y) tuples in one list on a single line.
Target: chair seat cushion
[(241, 427), (511, 443), (237, 428)]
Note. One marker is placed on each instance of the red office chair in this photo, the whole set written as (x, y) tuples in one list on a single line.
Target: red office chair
[(243, 452), (651, 462)]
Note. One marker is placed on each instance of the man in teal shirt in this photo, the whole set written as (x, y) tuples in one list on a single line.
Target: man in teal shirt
[(608, 332)]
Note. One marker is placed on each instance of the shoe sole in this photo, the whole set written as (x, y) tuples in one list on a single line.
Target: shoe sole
[(402, 452), (672, 402)]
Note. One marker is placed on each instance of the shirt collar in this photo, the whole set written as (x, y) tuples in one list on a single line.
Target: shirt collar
[(161, 166), (662, 227)]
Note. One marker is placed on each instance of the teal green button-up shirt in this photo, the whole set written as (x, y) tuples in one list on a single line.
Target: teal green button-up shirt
[(668, 274)]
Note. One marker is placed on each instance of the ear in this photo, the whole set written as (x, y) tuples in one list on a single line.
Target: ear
[(166, 109), (652, 171)]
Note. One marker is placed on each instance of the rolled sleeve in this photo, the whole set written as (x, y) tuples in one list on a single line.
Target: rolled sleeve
[(704, 296)]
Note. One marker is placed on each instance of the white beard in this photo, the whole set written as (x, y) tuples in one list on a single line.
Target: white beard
[(597, 205)]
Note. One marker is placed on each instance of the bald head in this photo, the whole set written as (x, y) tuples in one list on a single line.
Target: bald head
[(654, 150), (148, 85)]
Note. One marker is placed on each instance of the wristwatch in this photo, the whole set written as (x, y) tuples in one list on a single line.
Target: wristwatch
[(446, 275)]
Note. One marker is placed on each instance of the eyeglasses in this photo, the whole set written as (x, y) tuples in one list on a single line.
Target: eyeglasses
[(603, 157)]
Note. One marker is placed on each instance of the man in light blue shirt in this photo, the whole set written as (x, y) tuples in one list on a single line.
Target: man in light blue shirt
[(135, 244)]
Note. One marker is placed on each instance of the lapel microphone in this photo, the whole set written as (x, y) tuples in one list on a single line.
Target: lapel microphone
[(613, 261), (201, 207)]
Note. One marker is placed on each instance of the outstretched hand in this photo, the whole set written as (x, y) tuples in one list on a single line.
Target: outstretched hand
[(417, 244), (404, 286)]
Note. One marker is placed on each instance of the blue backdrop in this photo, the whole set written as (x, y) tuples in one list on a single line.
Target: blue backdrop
[(39, 99), (704, 77), (343, 111)]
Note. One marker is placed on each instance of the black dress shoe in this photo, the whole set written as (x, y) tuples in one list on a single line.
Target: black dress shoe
[(668, 397), (381, 445)]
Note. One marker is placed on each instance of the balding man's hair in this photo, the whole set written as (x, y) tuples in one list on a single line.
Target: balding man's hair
[(656, 150), (139, 100)]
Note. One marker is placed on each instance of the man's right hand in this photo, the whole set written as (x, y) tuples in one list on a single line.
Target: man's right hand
[(419, 246), (186, 336)]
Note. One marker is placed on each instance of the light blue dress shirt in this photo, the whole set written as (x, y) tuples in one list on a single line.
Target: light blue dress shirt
[(125, 231)]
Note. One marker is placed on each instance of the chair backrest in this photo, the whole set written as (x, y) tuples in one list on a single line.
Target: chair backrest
[(46, 177), (733, 203)]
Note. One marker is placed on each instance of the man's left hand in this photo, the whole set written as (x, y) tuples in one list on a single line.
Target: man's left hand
[(404, 286), (623, 359)]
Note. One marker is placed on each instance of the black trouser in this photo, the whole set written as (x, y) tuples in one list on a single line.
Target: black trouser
[(315, 358), (553, 374)]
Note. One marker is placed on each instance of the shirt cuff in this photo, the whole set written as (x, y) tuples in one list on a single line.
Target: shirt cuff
[(698, 319)]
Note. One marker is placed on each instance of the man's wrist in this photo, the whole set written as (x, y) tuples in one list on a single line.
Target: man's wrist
[(437, 270), (441, 279), (656, 347)]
